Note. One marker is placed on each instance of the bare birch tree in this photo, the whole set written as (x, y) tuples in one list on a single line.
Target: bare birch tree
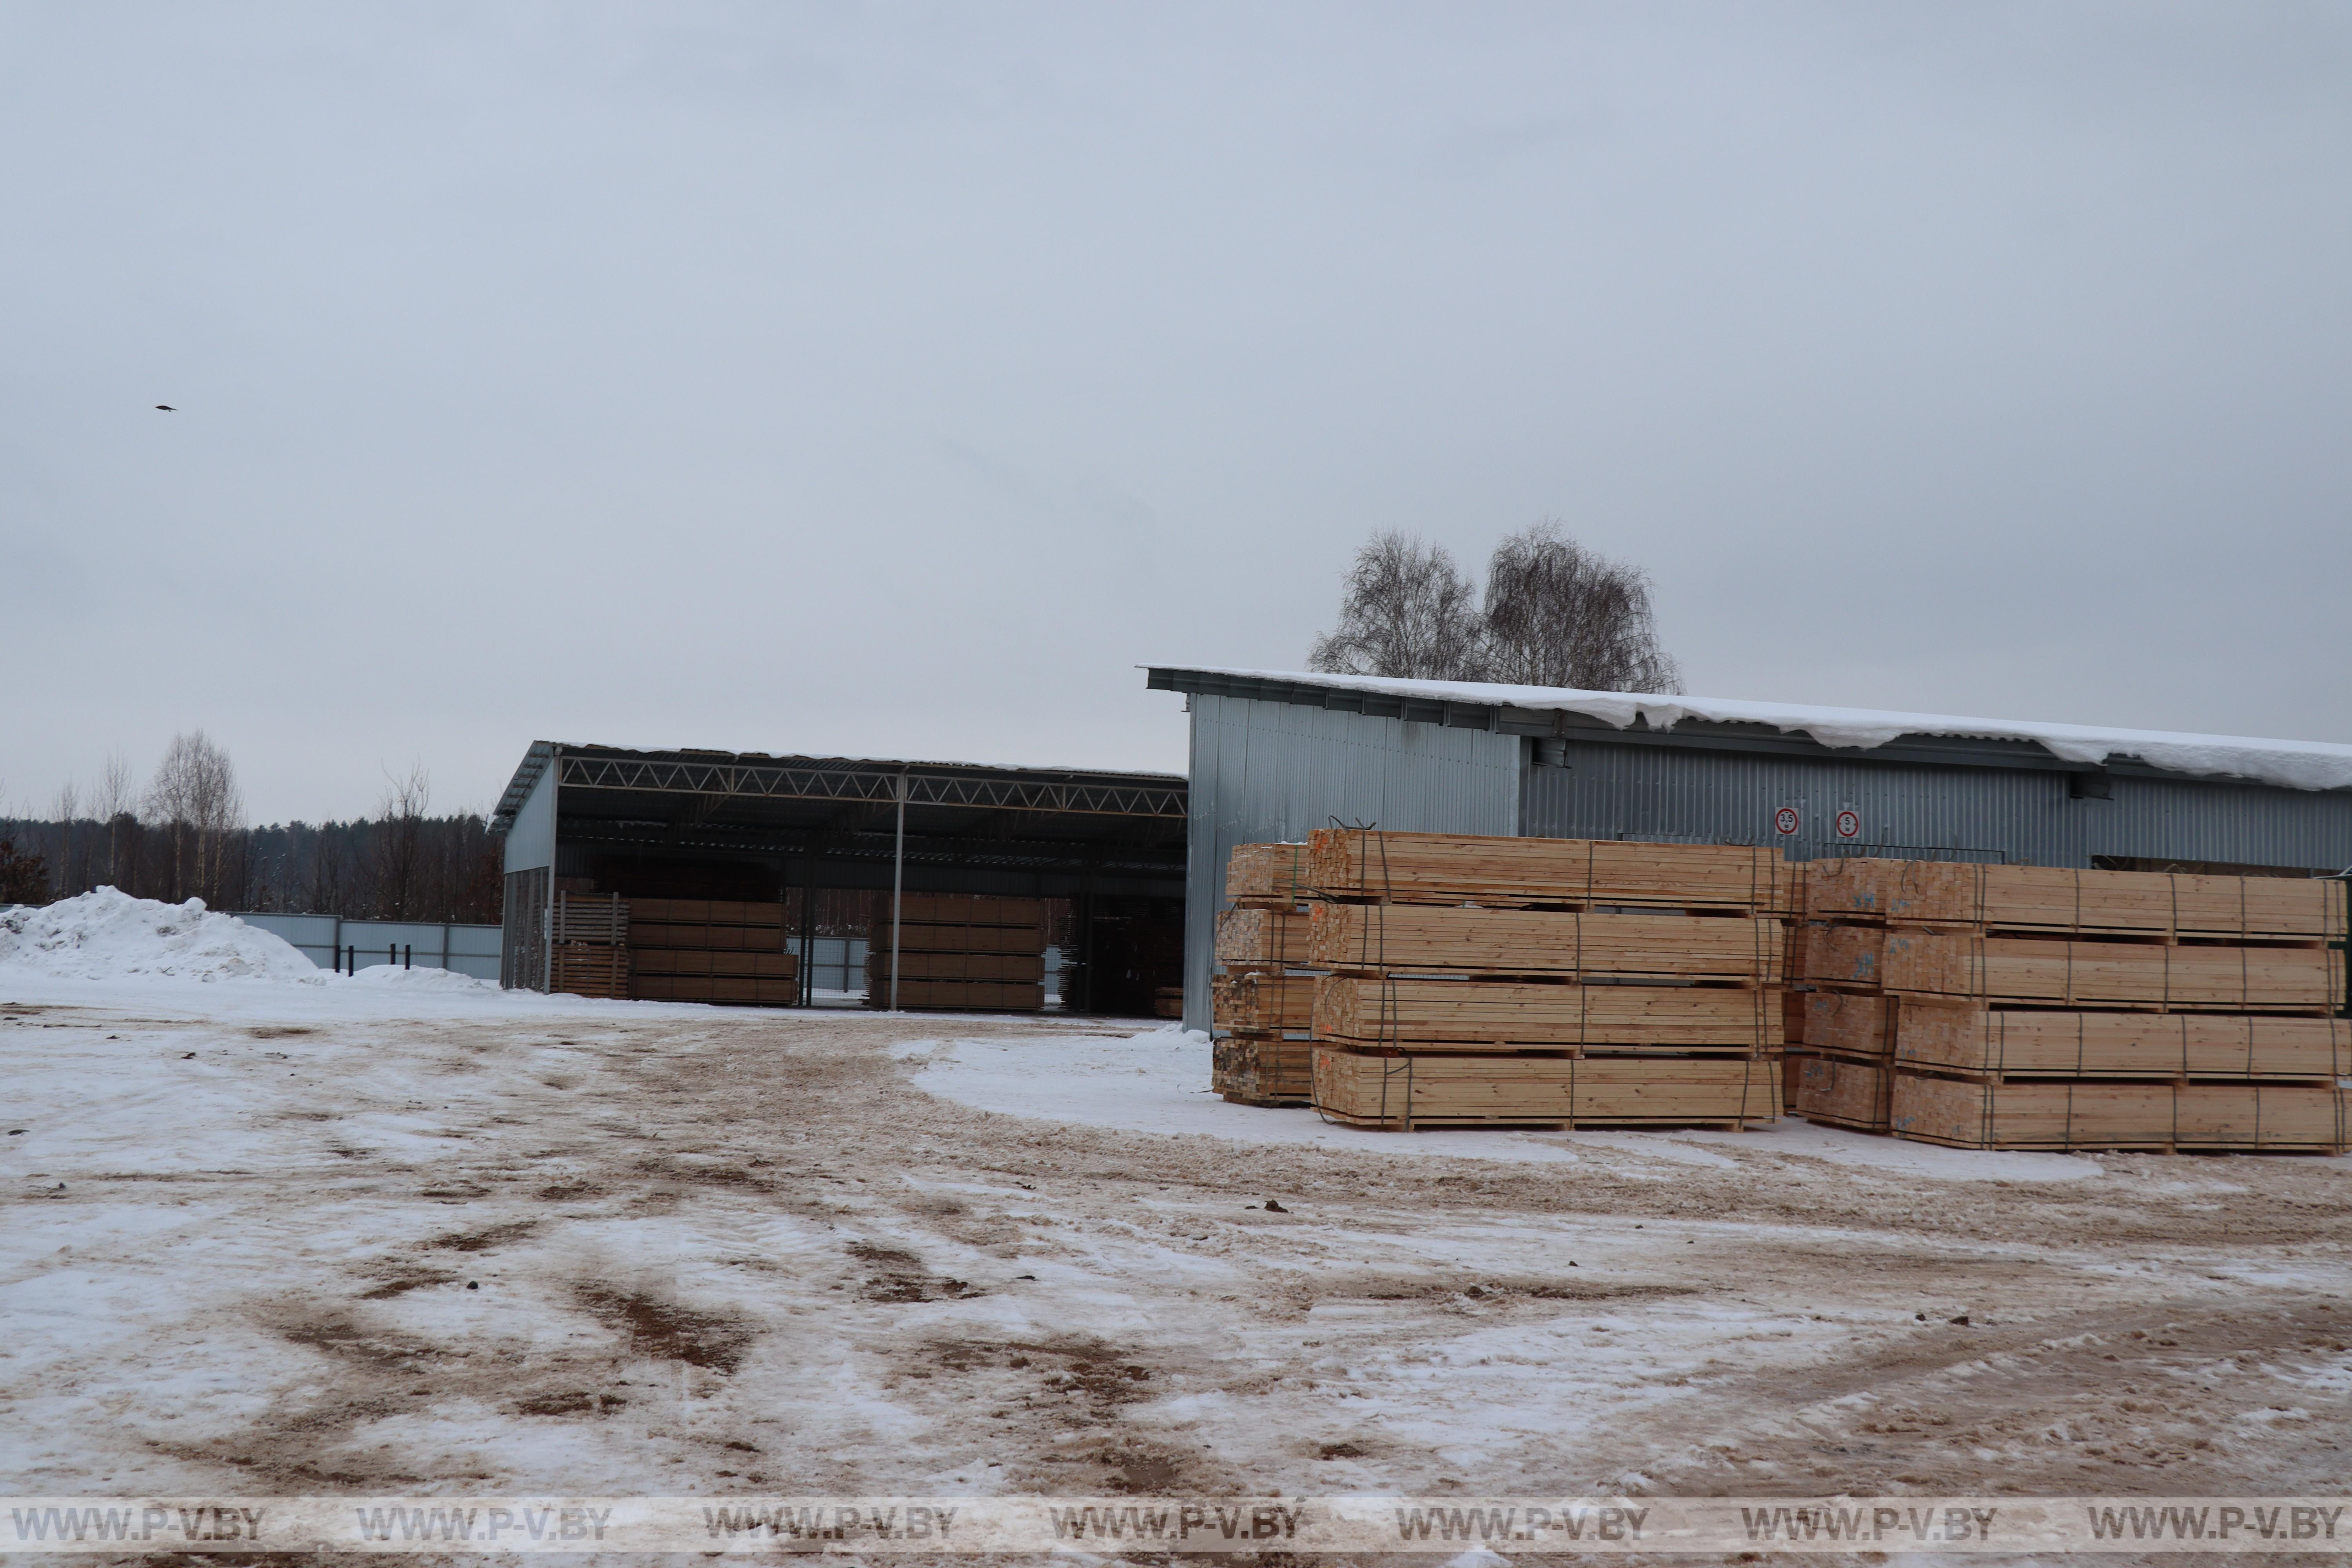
[(1560, 615), (66, 809), (194, 797), (1407, 611), (113, 804)]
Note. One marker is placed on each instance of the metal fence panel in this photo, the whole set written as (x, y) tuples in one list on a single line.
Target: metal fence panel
[(463, 949)]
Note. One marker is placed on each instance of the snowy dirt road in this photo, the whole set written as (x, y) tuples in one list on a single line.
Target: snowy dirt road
[(286, 1241)]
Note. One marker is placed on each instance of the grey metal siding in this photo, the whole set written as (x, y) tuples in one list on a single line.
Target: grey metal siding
[(1629, 792), (1971, 813), (2245, 824), (1266, 771)]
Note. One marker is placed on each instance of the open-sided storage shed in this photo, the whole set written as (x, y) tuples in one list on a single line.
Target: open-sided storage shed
[(743, 826)]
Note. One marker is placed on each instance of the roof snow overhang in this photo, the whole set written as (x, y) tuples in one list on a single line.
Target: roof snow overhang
[(1782, 729)]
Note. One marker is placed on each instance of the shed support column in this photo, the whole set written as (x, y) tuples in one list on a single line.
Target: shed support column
[(897, 887)]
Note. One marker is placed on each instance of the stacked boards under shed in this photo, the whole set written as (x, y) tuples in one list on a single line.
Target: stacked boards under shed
[(961, 952), (2036, 1008), (711, 950), (588, 945), (1558, 983)]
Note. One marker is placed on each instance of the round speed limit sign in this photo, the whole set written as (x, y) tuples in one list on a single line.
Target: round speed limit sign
[(1849, 824), (1784, 821)]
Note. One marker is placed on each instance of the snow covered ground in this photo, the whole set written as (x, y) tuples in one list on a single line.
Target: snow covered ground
[(286, 1236)]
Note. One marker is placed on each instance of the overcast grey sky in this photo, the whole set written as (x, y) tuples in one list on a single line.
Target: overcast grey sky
[(891, 379)]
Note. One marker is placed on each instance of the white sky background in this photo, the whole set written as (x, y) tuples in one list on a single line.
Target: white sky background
[(891, 381)]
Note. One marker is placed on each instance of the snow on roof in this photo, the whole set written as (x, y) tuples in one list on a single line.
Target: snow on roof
[(2296, 765)]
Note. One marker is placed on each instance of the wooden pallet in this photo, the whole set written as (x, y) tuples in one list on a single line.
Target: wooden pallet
[(1474, 1014), (1263, 1069), (1263, 937), (1425, 938), (1849, 1024), (1961, 1038), (1856, 1094), (1262, 1002), (2159, 1116), (1448, 868), (1400, 1092), (585, 969), (1261, 874), (2060, 900), (2067, 973), (594, 918)]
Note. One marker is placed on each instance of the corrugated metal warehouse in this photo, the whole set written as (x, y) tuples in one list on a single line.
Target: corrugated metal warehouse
[(1275, 754), (599, 820)]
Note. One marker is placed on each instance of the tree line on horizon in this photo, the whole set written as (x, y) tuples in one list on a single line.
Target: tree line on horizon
[(184, 836)]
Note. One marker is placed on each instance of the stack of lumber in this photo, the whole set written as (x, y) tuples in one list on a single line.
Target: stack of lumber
[(963, 953), (712, 950), (1262, 998), (1365, 864), (1558, 983), (2028, 1007), (588, 945)]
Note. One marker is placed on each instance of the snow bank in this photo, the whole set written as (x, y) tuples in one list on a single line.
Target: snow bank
[(392, 977), (2296, 765), (109, 935)]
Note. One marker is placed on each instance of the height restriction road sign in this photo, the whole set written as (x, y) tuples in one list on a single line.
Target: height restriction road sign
[(1784, 821)]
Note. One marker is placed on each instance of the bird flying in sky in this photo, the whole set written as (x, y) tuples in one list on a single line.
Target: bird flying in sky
[(167, 408)]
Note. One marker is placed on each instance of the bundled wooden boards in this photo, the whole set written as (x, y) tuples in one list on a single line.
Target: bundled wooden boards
[(582, 969), (959, 953), (1843, 1091), (1401, 1091), (1276, 937), (2081, 1115), (724, 950), (1435, 1014), (1254, 1002), (2068, 973), (2059, 900), (1961, 1039), (1257, 875), (2063, 972), (1444, 868), (588, 945), (1437, 938), (1258, 1069), (1849, 1024)]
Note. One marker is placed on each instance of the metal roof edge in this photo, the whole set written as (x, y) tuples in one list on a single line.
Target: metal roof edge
[(1563, 721), (526, 778)]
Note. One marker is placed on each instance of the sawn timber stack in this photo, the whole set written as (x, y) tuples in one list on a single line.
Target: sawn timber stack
[(1558, 983), (1262, 995), (2018, 1007), (1445, 868)]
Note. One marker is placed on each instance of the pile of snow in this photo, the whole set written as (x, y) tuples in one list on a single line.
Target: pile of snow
[(108, 934), (438, 981)]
